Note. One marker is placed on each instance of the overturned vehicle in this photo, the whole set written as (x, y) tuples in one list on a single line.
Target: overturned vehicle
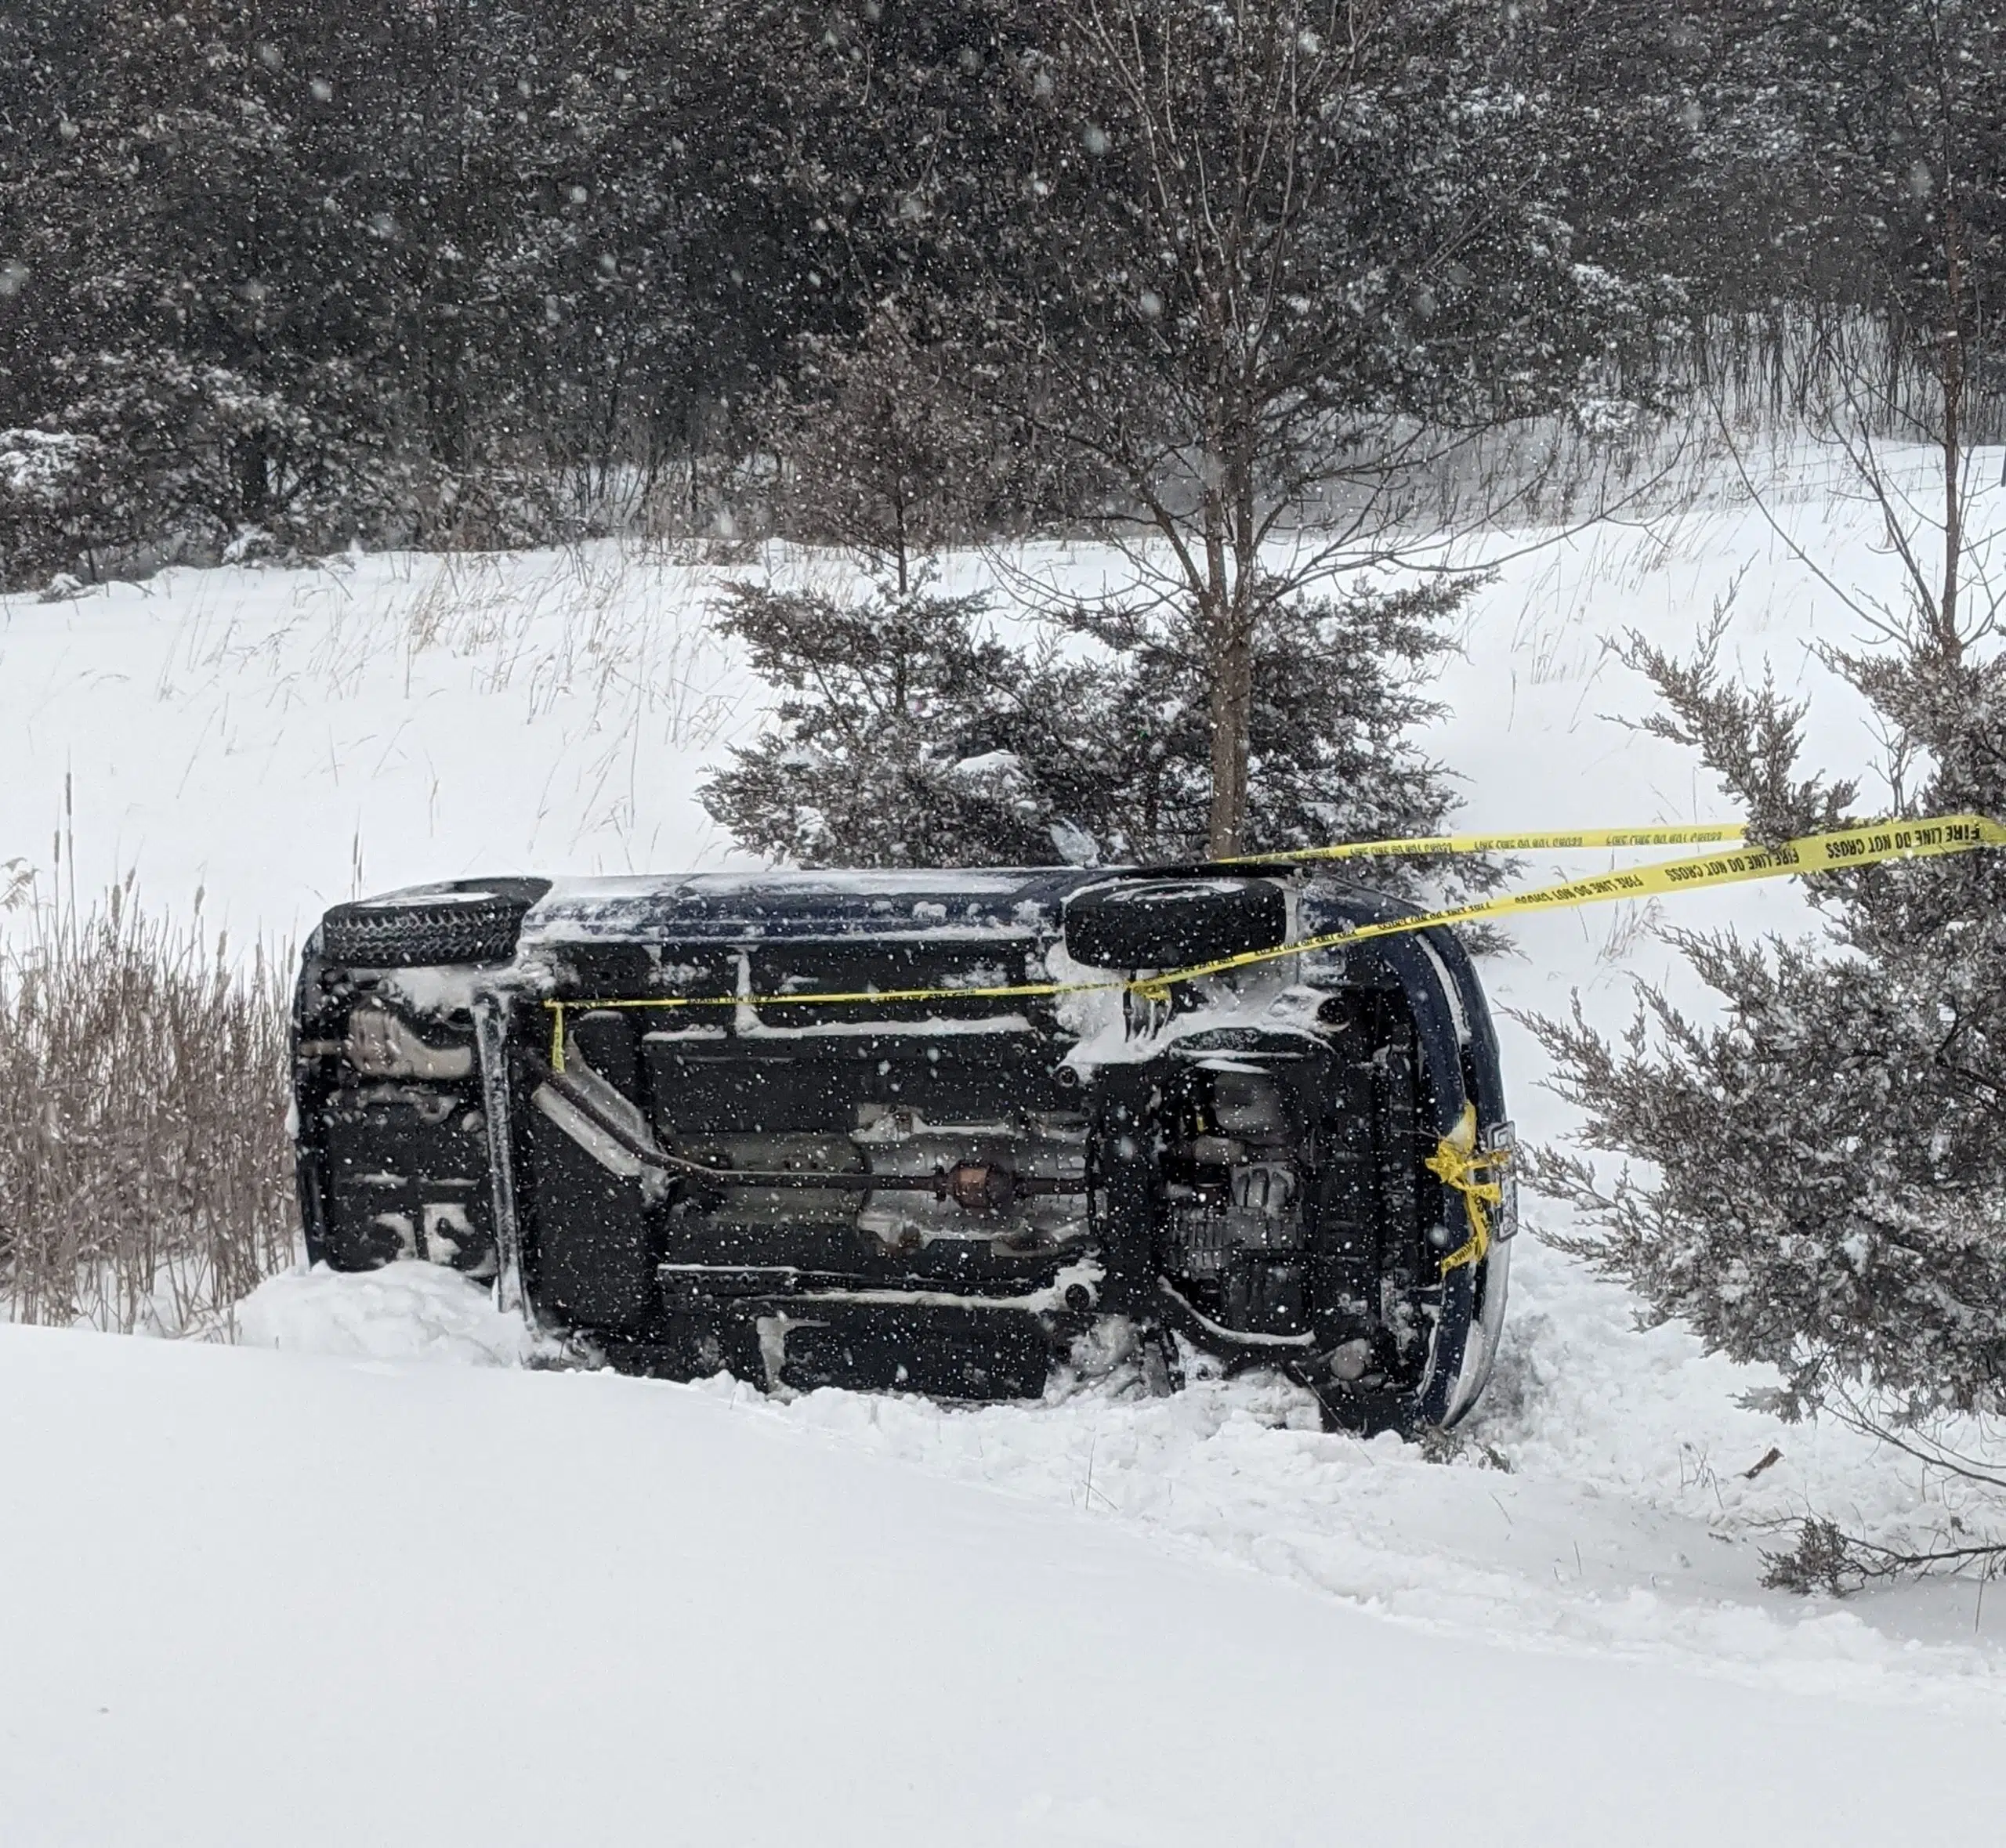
[(942, 1132)]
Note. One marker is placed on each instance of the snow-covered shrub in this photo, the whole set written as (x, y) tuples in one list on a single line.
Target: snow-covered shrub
[(1823, 1177), (146, 1171), (161, 459), (39, 473), (909, 735), (37, 466)]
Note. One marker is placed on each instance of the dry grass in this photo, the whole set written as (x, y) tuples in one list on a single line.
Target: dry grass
[(146, 1171)]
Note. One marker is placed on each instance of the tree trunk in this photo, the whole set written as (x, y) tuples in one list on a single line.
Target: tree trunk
[(1224, 608), (1232, 716), (1232, 563), (251, 465), (1952, 348)]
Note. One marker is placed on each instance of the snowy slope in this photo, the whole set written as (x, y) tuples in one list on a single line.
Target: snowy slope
[(308, 1602), (281, 739)]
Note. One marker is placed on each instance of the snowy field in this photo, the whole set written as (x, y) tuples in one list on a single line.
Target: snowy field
[(383, 1584)]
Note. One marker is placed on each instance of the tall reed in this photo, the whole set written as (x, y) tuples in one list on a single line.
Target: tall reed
[(146, 1169)]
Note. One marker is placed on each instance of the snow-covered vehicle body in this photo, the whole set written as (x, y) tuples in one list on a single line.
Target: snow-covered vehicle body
[(625, 1102)]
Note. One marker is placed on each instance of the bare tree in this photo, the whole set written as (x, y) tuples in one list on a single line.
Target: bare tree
[(882, 452), (1280, 256)]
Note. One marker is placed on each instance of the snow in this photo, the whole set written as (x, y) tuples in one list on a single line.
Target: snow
[(322, 1587), (408, 1310), (1582, 1512), (311, 1600), (283, 740)]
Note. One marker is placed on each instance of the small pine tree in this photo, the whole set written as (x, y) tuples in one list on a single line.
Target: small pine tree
[(907, 735), (1825, 1189)]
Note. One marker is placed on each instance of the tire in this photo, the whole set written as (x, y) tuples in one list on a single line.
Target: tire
[(1170, 924), (421, 935)]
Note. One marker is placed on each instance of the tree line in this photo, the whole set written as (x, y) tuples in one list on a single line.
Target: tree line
[(415, 262)]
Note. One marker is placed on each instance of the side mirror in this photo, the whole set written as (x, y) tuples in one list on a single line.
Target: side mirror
[(1170, 924)]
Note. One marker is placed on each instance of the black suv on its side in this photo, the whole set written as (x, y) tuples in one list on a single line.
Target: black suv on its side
[(630, 1103)]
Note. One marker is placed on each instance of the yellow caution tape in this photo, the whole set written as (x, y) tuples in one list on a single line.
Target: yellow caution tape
[(1459, 1164), (1836, 852), (1697, 834)]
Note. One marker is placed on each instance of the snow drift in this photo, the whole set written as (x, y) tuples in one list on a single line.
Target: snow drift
[(323, 1601)]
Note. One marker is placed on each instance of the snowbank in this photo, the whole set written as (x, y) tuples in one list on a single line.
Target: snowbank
[(408, 1310), (308, 1602), (1597, 1506)]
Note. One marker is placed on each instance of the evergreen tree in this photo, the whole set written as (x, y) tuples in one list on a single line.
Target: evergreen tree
[(908, 734), (1826, 1187)]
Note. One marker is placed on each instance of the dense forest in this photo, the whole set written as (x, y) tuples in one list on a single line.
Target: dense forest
[(457, 271)]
